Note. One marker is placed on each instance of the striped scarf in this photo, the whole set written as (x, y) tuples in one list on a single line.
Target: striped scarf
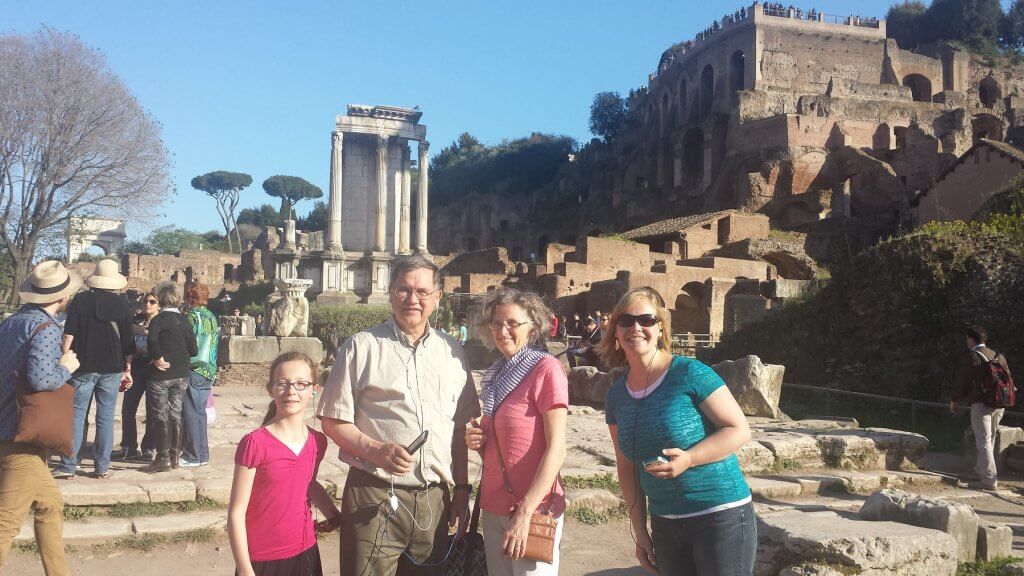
[(505, 374)]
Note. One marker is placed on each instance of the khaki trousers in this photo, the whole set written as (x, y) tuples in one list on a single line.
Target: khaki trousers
[(375, 539), (985, 422), (25, 483)]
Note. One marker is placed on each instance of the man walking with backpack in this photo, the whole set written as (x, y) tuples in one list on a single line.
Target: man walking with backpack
[(984, 384)]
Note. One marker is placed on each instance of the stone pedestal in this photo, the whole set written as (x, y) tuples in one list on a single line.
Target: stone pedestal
[(334, 282), (286, 312), (380, 275)]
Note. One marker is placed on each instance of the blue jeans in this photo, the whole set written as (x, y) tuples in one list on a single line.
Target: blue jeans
[(194, 444), (105, 387), (722, 543)]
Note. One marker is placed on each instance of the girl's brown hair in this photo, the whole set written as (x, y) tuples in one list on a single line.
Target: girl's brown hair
[(293, 356), (613, 357)]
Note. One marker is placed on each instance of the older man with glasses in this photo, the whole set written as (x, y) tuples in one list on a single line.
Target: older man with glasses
[(391, 385)]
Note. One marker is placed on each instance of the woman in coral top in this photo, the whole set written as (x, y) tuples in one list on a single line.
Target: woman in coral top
[(521, 437)]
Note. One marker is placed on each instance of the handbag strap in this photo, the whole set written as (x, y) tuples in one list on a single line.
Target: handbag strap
[(474, 522)]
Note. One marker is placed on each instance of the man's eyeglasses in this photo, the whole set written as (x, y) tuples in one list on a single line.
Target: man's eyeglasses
[(645, 320), (282, 385), (512, 325), (420, 294)]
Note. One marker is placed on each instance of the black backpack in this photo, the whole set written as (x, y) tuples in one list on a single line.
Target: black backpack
[(997, 388)]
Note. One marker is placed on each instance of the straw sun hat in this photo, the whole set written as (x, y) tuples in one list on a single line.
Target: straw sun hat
[(106, 276), (49, 282)]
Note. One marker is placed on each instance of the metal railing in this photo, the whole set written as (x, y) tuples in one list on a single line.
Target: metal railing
[(914, 404)]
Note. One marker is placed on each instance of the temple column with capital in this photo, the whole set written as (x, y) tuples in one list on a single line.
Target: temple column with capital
[(404, 232), (334, 225), (380, 240), (421, 199)]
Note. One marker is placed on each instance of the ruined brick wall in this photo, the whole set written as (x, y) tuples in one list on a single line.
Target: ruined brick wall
[(203, 266), (961, 192), (803, 60)]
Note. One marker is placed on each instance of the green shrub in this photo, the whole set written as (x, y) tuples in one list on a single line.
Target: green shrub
[(347, 319)]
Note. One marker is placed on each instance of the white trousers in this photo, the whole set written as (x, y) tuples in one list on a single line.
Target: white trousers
[(985, 424), (498, 564)]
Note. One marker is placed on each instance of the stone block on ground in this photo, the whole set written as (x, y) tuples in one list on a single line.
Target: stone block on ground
[(957, 520), (101, 493), (756, 386), (1006, 437), (1015, 457), (995, 540), (580, 382), (755, 458), (899, 446), (773, 488), (818, 484), (216, 489), (850, 449), (248, 349), (184, 522), (171, 491), (86, 529), (309, 346), (801, 540), (792, 449), (230, 375), (597, 499)]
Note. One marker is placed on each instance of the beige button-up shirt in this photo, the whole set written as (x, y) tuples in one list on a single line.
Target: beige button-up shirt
[(392, 390)]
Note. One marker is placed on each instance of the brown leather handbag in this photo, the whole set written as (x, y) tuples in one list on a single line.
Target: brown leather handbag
[(44, 418), (540, 542)]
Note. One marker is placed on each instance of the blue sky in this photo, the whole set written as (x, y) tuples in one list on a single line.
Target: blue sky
[(254, 86)]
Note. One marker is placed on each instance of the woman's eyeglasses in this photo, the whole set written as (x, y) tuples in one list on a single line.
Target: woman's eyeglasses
[(154, 302), (512, 325), (645, 320), (283, 385)]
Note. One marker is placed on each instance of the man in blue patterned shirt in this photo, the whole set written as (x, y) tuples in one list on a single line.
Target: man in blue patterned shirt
[(30, 343)]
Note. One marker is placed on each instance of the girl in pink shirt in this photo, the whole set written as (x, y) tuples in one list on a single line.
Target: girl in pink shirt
[(270, 522)]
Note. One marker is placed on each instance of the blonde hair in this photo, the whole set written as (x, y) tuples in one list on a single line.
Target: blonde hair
[(613, 357)]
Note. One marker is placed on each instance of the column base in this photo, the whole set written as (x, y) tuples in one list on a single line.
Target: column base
[(336, 298), (378, 299)]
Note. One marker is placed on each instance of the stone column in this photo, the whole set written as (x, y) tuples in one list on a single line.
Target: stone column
[(382, 193), (421, 200), (404, 223), (334, 226)]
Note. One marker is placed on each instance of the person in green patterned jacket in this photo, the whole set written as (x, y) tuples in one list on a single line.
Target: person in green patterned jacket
[(195, 449)]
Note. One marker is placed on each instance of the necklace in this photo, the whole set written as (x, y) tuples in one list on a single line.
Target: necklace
[(647, 376)]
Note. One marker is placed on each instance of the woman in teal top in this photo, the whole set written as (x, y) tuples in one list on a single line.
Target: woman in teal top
[(676, 428)]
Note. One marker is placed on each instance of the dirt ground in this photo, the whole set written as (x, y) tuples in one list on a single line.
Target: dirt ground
[(604, 550)]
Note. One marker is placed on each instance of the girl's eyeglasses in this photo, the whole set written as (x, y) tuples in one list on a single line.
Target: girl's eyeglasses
[(282, 385), (645, 320)]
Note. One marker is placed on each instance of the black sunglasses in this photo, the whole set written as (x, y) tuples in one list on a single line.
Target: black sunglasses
[(645, 320)]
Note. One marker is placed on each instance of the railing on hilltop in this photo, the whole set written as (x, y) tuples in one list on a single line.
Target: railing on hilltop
[(914, 404)]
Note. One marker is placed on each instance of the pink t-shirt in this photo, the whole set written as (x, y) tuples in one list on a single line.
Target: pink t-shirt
[(279, 521), (519, 427)]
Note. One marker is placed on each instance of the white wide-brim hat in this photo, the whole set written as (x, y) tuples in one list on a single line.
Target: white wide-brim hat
[(106, 276), (49, 282)]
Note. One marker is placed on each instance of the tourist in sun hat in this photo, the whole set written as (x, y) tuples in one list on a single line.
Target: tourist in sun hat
[(30, 345), (99, 329)]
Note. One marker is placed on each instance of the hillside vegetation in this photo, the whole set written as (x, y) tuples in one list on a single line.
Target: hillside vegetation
[(892, 321)]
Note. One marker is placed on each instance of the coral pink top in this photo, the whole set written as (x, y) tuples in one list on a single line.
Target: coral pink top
[(279, 521), (519, 427)]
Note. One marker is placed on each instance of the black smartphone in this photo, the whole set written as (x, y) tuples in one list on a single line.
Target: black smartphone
[(417, 443)]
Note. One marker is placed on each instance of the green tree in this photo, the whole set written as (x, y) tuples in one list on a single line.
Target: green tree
[(291, 190), (224, 187), (607, 113), (265, 215), (315, 220), (1011, 33), (973, 23), (465, 147), (907, 23), (171, 240)]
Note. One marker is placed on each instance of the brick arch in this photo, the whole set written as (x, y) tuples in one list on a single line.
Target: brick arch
[(920, 87)]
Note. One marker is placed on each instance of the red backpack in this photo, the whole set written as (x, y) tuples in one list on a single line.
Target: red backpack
[(997, 388)]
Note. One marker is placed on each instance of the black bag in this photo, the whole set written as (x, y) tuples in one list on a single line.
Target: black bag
[(467, 557)]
